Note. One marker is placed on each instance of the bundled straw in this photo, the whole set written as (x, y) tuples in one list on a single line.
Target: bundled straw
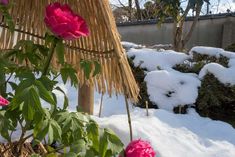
[(103, 44)]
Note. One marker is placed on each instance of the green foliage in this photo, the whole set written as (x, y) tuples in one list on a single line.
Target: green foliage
[(231, 48), (173, 8), (7, 17), (87, 68), (198, 61), (210, 59), (213, 93), (216, 100), (73, 130), (139, 74)]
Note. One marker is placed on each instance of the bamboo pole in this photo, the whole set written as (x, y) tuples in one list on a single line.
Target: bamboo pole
[(86, 98)]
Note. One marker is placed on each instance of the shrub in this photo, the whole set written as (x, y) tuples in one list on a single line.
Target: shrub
[(139, 75), (230, 48), (216, 100)]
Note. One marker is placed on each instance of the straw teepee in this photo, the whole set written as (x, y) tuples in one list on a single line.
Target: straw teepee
[(102, 45)]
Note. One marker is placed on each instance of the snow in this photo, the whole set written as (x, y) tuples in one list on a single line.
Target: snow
[(166, 87), (211, 51), (128, 45), (169, 89), (223, 74), (152, 59), (174, 135)]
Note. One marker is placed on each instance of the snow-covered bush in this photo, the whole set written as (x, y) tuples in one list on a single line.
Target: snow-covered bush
[(231, 47), (173, 81), (139, 74), (215, 68), (216, 100)]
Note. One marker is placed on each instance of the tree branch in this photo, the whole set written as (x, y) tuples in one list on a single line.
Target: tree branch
[(189, 34)]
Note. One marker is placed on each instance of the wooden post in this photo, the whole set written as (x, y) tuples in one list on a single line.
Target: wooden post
[(86, 98)]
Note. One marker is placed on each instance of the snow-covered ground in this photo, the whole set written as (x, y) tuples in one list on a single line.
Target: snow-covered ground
[(171, 135), (174, 135)]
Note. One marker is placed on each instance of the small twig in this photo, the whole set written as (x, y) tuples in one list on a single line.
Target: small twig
[(55, 150), (6, 80), (56, 77), (147, 108), (43, 148), (101, 104), (180, 109)]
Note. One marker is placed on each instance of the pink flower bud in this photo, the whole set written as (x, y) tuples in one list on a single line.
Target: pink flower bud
[(139, 148), (64, 23), (3, 102)]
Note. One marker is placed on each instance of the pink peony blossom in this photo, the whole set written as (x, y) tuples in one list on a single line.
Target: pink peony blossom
[(64, 23), (3, 102), (139, 148), (4, 2)]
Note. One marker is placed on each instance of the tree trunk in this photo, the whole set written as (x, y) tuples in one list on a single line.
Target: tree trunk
[(130, 9), (86, 98), (138, 10), (178, 31)]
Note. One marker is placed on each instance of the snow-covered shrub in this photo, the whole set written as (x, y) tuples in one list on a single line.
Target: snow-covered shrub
[(139, 75), (231, 48), (215, 68), (216, 100), (198, 61)]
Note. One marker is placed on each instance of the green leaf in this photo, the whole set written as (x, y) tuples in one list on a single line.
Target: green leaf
[(93, 134), (97, 68), (50, 134), (114, 143), (32, 104), (70, 154), (67, 71), (44, 93), (41, 130), (89, 153), (86, 66), (8, 19), (103, 144), (64, 75), (5, 126), (49, 39), (66, 102), (60, 51), (56, 130), (79, 147)]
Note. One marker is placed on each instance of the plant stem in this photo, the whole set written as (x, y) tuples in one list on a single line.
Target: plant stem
[(129, 118), (51, 53)]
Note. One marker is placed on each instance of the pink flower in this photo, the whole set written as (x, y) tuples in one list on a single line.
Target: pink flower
[(4, 2), (64, 23), (3, 102), (139, 148)]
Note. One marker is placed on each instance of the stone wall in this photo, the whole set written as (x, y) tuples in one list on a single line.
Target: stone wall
[(211, 30)]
